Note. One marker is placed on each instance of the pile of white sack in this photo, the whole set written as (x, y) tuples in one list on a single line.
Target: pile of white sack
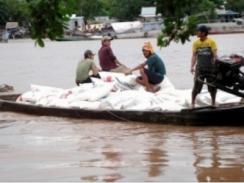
[(116, 91)]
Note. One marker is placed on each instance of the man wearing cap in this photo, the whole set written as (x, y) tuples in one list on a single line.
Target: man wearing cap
[(154, 74), (84, 67), (203, 63), (107, 59)]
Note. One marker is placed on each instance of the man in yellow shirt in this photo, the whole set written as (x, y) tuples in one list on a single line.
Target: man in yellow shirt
[(203, 63)]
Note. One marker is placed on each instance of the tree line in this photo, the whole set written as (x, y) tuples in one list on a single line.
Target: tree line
[(46, 18), (20, 10)]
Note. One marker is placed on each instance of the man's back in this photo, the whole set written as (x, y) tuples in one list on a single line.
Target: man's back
[(83, 68), (106, 58), (156, 65)]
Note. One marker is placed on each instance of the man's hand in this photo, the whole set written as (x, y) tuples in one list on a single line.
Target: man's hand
[(128, 72), (192, 70)]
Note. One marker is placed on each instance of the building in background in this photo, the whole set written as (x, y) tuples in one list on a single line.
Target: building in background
[(152, 22), (75, 24), (14, 30), (224, 15)]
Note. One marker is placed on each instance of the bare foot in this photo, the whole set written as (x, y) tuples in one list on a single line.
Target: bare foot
[(215, 105), (192, 106), (156, 89), (153, 89), (149, 90)]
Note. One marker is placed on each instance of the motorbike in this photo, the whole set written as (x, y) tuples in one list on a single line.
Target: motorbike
[(228, 75)]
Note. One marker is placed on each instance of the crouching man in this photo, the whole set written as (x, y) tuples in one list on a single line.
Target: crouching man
[(154, 74), (84, 67)]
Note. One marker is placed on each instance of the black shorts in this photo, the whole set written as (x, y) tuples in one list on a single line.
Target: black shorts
[(88, 80), (200, 77), (153, 78)]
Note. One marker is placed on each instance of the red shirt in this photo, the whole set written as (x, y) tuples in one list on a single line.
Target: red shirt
[(106, 58)]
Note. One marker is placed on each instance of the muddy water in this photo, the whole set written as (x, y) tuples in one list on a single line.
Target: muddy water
[(59, 149), (36, 148)]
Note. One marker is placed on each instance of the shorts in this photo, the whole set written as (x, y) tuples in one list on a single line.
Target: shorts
[(153, 78), (88, 80), (200, 76)]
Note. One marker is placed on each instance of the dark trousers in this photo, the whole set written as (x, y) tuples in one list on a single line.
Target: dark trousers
[(88, 80)]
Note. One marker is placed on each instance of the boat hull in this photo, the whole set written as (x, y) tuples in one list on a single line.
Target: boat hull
[(224, 115)]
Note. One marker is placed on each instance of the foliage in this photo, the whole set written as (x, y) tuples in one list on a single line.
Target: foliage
[(236, 5), (177, 30), (88, 9), (3, 12), (127, 9), (48, 18), (123, 10), (182, 18), (14, 10)]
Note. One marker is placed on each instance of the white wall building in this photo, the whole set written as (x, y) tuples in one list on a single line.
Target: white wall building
[(76, 23)]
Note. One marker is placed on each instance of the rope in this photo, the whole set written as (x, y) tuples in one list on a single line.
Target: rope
[(109, 112), (207, 75), (116, 116)]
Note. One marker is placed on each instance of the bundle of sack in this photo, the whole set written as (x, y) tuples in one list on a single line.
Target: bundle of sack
[(115, 91)]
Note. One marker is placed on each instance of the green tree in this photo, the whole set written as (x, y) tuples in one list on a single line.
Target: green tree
[(48, 18), (106, 7), (236, 5), (18, 11), (13, 10), (121, 9), (128, 9), (3, 12), (181, 18), (88, 9)]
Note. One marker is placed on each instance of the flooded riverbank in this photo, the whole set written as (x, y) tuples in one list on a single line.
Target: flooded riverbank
[(34, 148)]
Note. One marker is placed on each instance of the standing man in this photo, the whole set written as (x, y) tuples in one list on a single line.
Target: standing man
[(107, 59), (154, 74), (203, 63)]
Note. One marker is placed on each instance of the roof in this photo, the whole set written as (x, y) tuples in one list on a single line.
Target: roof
[(148, 12), (226, 12), (12, 25), (122, 27)]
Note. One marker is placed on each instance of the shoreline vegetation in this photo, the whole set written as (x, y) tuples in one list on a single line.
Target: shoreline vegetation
[(48, 19)]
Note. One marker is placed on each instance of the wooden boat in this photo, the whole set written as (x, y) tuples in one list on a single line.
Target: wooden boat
[(224, 115), (70, 38), (79, 38)]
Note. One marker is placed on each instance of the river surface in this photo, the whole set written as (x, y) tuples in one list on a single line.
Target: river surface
[(43, 148)]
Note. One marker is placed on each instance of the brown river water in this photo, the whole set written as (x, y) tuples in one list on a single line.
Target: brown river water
[(38, 148)]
